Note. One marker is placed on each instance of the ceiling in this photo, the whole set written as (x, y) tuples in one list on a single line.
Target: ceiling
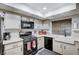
[(50, 6), (37, 9)]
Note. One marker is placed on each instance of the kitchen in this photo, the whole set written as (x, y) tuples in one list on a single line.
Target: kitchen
[(28, 32)]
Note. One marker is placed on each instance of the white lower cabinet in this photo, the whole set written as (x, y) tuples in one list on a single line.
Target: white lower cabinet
[(63, 48), (69, 49), (40, 42), (13, 49), (57, 47)]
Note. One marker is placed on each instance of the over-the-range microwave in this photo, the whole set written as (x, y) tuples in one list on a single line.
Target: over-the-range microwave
[(27, 25)]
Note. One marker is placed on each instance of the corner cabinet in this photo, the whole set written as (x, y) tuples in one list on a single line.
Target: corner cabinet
[(14, 48), (63, 48), (12, 21)]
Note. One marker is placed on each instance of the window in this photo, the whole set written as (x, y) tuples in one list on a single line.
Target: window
[(62, 27)]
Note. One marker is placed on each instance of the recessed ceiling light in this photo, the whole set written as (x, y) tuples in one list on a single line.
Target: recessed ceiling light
[(44, 8)]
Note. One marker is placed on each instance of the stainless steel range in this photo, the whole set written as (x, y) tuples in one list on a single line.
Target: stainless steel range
[(30, 43)]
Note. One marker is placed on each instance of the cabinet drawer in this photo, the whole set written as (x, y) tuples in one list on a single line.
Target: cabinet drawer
[(13, 45), (15, 51)]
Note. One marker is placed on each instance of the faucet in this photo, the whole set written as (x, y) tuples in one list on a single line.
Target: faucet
[(65, 34)]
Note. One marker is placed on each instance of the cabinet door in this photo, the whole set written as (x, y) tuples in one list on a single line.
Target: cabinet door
[(57, 47), (15, 51), (12, 21), (40, 42), (20, 50), (46, 24), (36, 24), (69, 49)]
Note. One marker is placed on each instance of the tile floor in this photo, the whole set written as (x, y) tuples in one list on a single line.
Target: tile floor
[(46, 52)]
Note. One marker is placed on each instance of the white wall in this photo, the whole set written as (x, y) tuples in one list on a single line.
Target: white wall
[(75, 18), (14, 35)]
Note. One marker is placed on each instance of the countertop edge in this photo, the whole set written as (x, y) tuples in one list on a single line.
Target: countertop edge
[(65, 42), (11, 41)]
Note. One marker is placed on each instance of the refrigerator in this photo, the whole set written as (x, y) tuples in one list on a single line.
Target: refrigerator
[(1, 41)]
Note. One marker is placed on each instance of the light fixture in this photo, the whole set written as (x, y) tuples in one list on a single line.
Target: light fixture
[(44, 8)]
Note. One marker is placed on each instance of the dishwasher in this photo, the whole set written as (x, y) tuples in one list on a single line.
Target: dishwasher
[(48, 43)]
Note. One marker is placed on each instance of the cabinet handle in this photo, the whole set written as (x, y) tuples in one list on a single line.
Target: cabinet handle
[(64, 47), (14, 46), (21, 48), (60, 46), (4, 53)]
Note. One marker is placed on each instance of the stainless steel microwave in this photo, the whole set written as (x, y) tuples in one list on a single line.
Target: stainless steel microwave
[(27, 25)]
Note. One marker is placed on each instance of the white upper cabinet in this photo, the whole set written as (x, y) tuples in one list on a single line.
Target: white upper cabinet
[(39, 24), (36, 22), (25, 19), (76, 26), (46, 25), (12, 21)]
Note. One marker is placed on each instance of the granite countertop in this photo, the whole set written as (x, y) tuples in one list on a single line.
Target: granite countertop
[(44, 36), (61, 38), (65, 40), (11, 41)]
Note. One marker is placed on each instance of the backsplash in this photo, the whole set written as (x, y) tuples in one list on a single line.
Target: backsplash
[(14, 34)]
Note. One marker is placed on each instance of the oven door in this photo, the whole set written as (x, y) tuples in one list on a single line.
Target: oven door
[(27, 48), (1, 39), (34, 44)]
